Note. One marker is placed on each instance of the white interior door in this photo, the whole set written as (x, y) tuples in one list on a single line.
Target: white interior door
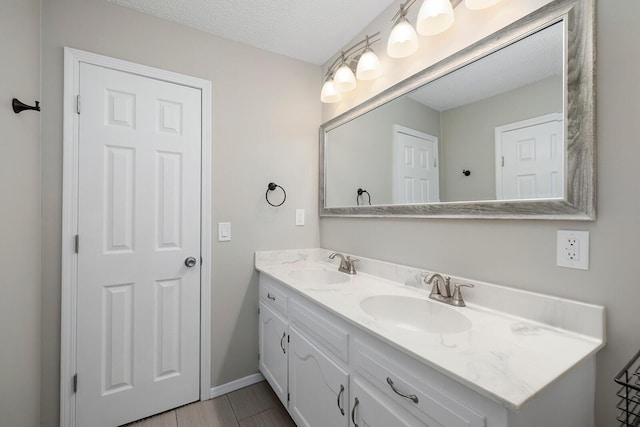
[(138, 303), (415, 166), (530, 159)]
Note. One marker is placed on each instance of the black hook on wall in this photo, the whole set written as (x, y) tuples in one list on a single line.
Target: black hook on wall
[(19, 106)]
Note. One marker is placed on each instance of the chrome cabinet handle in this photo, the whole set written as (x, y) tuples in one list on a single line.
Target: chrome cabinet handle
[(353, 412), (411, 397), (271, 297), (284, 334), (339, 395), (190, 262)]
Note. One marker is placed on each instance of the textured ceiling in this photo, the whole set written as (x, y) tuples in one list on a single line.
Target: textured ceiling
[(535, 58), (309, 30)]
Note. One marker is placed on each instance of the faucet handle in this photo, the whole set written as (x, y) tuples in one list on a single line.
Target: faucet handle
[(351, 262), (456, 298)]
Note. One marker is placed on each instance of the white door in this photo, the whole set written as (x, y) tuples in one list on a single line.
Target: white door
[(415, 166), (530, 159), (318, 387), (138, 303), (273, 345)]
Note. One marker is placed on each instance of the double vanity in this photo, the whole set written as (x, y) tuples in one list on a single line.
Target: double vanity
[(372, 349)]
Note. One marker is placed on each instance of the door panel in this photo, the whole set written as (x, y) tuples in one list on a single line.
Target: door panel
[(532, 164), (138, 315), (415, 176), (273, 332), (319, 388)]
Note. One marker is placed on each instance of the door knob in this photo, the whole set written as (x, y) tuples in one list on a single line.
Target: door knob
[(190, 262)]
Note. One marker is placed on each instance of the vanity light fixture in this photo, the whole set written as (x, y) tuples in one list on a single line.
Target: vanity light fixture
[(403, 40), (434, 17), (329, 94), (344, 80), (340, 75), (369, 67)]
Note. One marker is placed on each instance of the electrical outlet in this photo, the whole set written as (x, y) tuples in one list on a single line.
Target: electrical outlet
[(573, 249)]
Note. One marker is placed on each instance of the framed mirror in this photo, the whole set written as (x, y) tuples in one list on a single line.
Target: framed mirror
[(501, 129)]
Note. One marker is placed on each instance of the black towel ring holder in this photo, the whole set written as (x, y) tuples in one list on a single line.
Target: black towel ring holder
[(271, 187)]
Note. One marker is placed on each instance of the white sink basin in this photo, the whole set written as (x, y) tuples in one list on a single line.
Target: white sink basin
[(319, 276), (415, 314)]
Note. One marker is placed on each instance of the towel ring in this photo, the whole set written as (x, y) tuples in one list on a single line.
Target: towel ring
[(271, 187)]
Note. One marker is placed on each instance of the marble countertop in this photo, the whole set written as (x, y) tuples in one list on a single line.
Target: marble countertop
[(507, 357)]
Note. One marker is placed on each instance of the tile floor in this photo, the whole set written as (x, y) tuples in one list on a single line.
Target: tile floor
[(253, 406)]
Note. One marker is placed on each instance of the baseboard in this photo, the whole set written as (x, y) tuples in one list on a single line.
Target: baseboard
[(236, 385)]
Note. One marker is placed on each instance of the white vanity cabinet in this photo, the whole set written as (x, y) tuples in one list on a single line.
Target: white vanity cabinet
[(329, 371), (273, 335)]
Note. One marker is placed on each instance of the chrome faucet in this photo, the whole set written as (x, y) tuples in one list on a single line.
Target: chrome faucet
[(346, 263), (441, 289)]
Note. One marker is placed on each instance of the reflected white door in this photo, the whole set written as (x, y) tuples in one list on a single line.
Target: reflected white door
[(415, 166), (138, 306), (530, 159)]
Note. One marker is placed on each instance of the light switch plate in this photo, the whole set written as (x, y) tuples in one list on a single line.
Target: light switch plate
[(299, 216), (573, 249), (224, 231)]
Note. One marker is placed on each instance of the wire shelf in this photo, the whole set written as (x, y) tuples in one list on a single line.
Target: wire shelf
[(629, 394)]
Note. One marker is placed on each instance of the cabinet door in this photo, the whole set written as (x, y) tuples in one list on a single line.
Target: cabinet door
[(370, 411), (318, 387), (273, 351)]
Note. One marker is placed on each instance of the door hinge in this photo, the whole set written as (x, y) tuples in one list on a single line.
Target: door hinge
[(288, 338), (77, 243), (258, 311), (288, 397), (502, 161), (75, 383), (78, 104), (435, 162), (258, 356)]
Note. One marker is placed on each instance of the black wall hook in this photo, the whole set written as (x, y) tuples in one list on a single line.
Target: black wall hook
[(466, 172), (19, 106)]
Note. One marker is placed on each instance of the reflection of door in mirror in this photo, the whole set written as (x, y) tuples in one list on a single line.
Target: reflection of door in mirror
[(530, 159), (415, 166)]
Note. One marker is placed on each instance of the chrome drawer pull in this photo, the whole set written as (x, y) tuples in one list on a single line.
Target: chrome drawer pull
[(284, 334), (340, 395), (411, 397), (353, 412), (272, 298)]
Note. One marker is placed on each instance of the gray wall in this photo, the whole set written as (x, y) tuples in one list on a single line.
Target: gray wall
[(266, 115), (521, 254), (361, 151), (468, 136), (19, 215)]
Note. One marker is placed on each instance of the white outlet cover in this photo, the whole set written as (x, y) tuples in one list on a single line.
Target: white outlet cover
[(572, 249), (299, 216)]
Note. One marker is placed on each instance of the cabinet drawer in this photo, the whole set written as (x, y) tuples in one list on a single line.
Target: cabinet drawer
[(317, 326), (422, 399), (273, 294)]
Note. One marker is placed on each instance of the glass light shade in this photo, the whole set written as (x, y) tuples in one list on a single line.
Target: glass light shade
[(403, 40), (479, 4), (435, 16), (343, 79), (369, 67), (329, 94)]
